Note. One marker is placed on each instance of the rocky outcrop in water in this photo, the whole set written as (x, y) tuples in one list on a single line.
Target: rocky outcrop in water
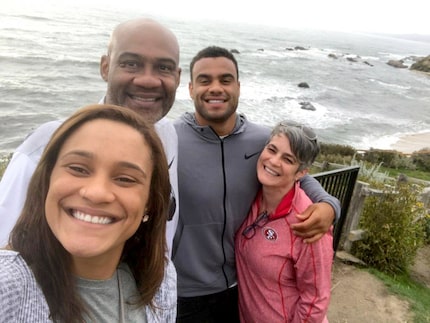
[(422, 65), (397, 63)]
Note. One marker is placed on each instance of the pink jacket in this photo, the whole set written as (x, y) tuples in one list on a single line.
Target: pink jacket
[(280, 278)]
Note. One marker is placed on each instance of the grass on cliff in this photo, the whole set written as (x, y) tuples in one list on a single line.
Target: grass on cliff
[(420, 174), (416, 294)]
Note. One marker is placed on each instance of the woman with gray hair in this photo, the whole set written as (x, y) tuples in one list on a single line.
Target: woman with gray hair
[(281, 278)]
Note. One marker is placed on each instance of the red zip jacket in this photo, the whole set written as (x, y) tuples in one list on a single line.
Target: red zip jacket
[(282, 279)]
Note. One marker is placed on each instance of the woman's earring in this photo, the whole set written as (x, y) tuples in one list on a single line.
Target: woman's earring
[(145, 218)]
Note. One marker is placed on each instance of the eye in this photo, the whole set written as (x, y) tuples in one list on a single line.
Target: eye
[(129, 65), (227, 80), (124, 180), (166, 68), (271, 149), (78, 170), (289, 160), (203, 81)]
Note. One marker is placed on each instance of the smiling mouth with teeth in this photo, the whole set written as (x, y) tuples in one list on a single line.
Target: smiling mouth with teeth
[(138, 98), (90, 219), (270, 171)]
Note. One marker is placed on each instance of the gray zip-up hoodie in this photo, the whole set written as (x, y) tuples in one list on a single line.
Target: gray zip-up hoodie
[(217, 185)]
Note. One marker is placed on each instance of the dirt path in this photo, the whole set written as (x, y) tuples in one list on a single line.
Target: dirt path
[(358, 296)]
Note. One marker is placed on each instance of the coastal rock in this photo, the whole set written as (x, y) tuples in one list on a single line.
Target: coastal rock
[(352, 59), (331, 55), (300, 48), (234, 51), (422, 65), (396, 63), (307, 106), (303, 84)]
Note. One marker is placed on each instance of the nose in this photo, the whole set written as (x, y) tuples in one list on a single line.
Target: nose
[(216, 87), (275, 160), (147, 77), (97, 189)]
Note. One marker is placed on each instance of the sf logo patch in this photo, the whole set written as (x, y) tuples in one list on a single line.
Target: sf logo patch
[(270, 234)]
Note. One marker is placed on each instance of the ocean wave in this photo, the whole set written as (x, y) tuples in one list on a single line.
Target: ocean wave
[(59, 60), (391, 85)]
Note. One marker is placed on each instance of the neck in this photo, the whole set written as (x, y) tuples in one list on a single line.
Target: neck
[(271, 197), (96, 269), (222, 128)]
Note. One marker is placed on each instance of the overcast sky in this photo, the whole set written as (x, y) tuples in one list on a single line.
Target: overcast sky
[(385, 16)]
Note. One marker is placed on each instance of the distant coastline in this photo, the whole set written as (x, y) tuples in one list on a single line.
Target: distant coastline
[(409, 143), (414, 37)]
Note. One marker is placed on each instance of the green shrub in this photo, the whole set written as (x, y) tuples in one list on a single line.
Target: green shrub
[(421, 159), (394, 224), (335, 149), (3, 163), (390, 158)]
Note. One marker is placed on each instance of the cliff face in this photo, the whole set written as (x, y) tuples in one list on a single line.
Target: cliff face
[(422, 65)]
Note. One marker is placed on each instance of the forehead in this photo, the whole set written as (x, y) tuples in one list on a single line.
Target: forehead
[(214, 66), (147, 41), (100, 133), (281, 142)]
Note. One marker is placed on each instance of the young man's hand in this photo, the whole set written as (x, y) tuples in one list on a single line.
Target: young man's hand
[(316, 221)]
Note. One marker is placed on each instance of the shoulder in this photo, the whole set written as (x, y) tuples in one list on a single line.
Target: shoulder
[(37, 140), (167, 133), (21, 298), (254, 129), (185, 119), (164, 124), (15, 275), (165, 300), (13, 269), (258, 128), (166, 294), (301, 200), (167, 291), (10, 260)]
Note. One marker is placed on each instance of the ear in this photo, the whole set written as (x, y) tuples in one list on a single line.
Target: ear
[(104, 67), (178, 81), (190, 89), (301, 173)]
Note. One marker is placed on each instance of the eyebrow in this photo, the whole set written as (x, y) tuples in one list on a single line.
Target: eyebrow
[(89, 155), (283, 154), (140, 57)]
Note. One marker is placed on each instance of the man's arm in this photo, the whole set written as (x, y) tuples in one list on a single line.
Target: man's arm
[(15, 180), (13, 191), (318, 217)]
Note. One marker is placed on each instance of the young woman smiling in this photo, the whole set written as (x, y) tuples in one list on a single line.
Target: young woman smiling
[(90, 242)]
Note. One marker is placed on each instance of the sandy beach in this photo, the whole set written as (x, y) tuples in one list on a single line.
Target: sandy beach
[(410, 143)]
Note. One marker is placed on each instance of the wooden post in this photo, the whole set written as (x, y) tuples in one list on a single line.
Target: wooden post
[(354, 211)]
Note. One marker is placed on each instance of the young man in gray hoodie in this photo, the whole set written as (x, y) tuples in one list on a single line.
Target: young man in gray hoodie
[(217, 154)]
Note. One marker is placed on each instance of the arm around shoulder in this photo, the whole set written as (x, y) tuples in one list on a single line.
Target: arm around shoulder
[(317, 194)]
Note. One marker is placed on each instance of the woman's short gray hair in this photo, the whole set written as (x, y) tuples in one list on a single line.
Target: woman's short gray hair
[(303, 141)]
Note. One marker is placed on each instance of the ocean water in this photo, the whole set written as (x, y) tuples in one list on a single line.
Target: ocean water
[(50, 67)]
